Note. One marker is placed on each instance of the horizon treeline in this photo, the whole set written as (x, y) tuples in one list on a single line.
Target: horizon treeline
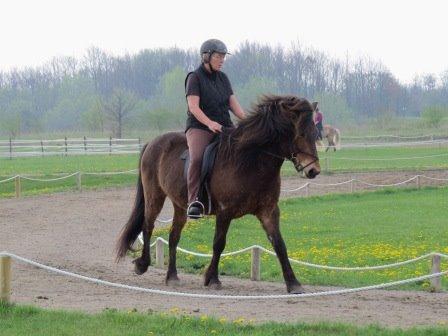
[(106, 94)]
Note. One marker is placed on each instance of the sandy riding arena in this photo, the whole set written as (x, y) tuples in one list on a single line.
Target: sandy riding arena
[(77, 232)]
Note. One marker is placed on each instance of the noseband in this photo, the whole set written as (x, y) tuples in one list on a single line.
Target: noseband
[(297, 165)]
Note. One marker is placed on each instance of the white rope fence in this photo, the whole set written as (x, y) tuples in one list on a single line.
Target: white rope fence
[(389, 159), (5, 275), (429, 136), (160, 240), (394, 144), (416, 178)]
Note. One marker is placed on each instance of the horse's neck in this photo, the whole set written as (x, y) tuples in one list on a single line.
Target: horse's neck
[(264, 163)]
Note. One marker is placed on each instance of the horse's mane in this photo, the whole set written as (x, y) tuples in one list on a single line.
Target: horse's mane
[(268, 123)]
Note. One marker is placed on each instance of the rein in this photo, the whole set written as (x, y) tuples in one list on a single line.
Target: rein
[(299, 167)]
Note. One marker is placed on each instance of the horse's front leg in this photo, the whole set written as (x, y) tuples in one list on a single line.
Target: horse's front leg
[(180, 217), (270, 222), (219, 242)]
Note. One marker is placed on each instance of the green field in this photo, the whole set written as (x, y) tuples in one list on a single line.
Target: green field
[(340, 161), (363, 229), (24, 320)]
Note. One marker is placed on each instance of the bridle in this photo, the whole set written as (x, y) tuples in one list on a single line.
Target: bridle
[(297, 165)]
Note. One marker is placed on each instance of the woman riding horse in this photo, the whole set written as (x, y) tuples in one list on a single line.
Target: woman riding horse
[(245, 180), (209, 97)]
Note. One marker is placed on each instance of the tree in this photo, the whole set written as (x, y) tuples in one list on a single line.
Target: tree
[(93, 118), (118, 108)]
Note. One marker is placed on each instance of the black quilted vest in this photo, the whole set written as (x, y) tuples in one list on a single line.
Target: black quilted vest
[(214, 97)]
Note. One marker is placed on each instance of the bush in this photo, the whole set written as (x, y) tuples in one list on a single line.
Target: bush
[(433, 115)]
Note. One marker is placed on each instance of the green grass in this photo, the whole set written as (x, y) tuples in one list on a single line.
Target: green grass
[(54, 166), (25, 320), (51, 167), (363, 229)]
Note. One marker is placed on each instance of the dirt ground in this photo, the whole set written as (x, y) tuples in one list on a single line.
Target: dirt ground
[(77, 232)]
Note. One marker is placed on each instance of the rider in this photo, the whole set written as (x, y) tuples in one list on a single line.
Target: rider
[(209, 98), (318, 120)]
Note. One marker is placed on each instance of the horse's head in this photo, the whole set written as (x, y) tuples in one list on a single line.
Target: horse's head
[(301, 145)]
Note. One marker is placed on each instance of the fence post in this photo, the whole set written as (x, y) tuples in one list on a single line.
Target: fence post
[(139, 144), (307, 189), (85, 144), (5, 278), (255, 265), (10, 148), (160, 258), (78, 181), (327, 164), (110, 145), (351, 185), (65, 140), (18, 186), (42, 146), (436, 283), (418, 182)]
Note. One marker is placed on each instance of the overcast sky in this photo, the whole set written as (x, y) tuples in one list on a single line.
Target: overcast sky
[(408, 37)]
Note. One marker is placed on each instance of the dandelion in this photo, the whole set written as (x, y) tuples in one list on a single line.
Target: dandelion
[(174, 310), (239, 321)]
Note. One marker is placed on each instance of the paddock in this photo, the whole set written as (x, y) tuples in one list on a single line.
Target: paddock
[(80, 238)]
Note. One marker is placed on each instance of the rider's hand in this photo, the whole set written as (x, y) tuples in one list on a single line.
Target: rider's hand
[(215, 127)]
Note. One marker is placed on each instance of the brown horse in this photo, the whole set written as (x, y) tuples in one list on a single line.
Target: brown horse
[(333, 137), (245, 180)]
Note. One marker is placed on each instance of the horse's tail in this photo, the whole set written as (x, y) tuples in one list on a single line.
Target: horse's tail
[(337, 138), (133, 227)]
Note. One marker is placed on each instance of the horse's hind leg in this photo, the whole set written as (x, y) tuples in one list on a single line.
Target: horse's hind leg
[(179, 220), (153, 206), (219, 242)]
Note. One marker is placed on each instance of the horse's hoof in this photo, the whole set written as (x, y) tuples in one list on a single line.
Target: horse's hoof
[(140, 267), (173, 282), (216, 285), (295, 289)]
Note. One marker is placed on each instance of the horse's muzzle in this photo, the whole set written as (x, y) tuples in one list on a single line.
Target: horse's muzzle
[(312, 173)]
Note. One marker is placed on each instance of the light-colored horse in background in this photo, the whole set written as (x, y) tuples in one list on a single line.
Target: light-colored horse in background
[(333, 136)]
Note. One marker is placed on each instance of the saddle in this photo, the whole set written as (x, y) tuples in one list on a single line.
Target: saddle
[(208, 162)]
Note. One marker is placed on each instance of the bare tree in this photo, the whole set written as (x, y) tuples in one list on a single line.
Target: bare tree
[(118, 108)]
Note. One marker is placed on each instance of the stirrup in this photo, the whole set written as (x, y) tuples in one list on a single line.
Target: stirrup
[(195, 210)]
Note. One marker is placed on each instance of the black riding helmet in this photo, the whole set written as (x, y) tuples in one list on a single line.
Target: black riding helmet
[(211, 46)]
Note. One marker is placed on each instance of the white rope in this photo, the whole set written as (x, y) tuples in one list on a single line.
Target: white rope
[(113, 173), (305, 263), (433, 178), (296, 189), (387, 185), (48, 180), (232, 297), (388, 136), (332, 184), (9, 179), (388, 159), (394, 144), (169, 220), (363, 182)]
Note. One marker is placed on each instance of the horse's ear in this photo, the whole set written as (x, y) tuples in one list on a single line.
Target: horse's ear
[(290, 103)]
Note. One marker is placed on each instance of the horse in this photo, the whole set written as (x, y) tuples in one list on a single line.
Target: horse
[(333, 136), (245, 180)]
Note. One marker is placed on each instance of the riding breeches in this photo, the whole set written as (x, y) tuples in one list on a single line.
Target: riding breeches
[(197, 140)]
